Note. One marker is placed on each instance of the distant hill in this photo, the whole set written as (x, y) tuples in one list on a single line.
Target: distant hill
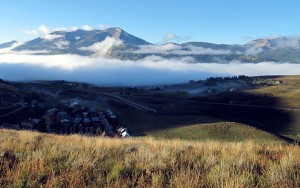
[(7, 44), (125, 46)]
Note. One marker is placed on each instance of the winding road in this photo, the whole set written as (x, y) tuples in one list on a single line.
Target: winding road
[(22, 105)]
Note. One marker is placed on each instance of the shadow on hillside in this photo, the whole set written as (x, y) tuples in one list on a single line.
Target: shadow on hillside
[(259, 111)]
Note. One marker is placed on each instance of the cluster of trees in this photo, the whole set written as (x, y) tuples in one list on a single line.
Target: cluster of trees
[(132, 91), (240, 77), (214, 80), (252, 81)]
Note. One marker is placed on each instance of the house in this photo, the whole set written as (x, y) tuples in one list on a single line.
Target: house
[(52, 112), (65, 123), (95, 119), (27, 124), (86, 121), (76, 122), (62, 115), (73, 104)]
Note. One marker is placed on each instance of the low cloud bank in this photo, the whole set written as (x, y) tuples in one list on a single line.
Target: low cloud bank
[(101, 48), (174, 49), (148, 71)]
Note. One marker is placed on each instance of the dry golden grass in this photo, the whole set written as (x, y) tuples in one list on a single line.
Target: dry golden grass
[(287, 93), (31, 159)]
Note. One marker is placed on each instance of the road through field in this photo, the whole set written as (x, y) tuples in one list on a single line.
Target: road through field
[(125, 101), (216, 103)]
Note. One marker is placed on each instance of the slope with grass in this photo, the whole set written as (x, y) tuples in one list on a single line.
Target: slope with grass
[(287, 93), (288, 96), (275, 108), (31, 159), (221, 131)]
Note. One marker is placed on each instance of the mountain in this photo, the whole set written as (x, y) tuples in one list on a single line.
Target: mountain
[(275, 43), (275, 49), (281, 49), (72, 42), (7, 44), (117, 43)]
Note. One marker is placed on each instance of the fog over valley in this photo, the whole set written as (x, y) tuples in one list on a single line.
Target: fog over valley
[(150, 70), (114, 57)]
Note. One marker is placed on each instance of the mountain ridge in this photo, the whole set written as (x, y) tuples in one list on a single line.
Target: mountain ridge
[(126, 46)]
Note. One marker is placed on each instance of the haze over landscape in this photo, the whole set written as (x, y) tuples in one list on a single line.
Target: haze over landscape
[(96, 52), (132, 93)]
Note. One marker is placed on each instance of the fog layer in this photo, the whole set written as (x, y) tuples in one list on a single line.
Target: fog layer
[(148, 71)]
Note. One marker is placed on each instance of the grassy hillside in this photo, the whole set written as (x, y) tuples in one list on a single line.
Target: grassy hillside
[(221, 131), (30, 159), (287, 93), (274, 109), (288, 96), (187, 127)]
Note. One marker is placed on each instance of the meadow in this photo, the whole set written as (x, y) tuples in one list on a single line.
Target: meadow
[(31, 159)]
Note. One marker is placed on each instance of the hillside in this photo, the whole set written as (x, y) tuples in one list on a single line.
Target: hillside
[(182, 111), (270, 107), (31, 159), (288, 97)]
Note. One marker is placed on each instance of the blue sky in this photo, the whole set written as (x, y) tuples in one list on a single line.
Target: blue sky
[(218, 21)]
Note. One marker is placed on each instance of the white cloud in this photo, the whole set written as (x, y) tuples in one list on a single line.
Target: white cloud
[(174, 49), (62, 44), (46, 33), (253, 51), (169, 47), (288, 42), (66, 29), (9, 49), (87, 27), (171, 37), (77, 37), (151, 70), (40, 31), (44, 30), (51, 37), (101, 48), (29, 52)]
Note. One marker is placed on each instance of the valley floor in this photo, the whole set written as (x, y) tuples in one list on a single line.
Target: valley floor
[(31, 159)]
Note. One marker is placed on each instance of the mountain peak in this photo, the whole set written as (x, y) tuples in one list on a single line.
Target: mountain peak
[(276, 42), (115, 31), (73, 41)]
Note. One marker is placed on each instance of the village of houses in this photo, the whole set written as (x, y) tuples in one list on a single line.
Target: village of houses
[(75, 119)]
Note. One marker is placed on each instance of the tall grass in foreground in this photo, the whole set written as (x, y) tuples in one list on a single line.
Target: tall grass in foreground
[(30, 159)]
